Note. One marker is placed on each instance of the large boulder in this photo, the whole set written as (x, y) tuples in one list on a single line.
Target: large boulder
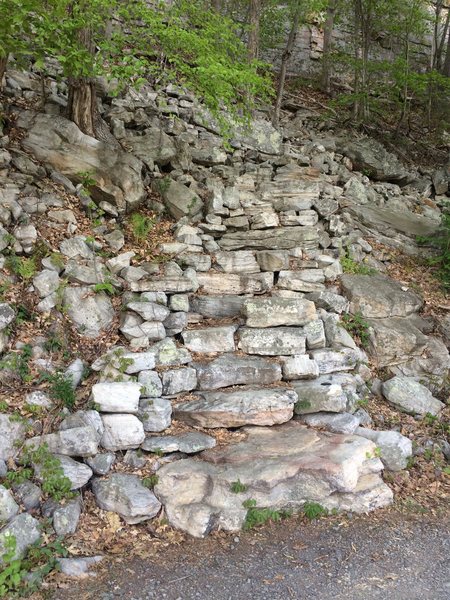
[(59, 143), (90, 312), (410, 396), (280, 467), (180, 200), (371, 158), (154, 146)]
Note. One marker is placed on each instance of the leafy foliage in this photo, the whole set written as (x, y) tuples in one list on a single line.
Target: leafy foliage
[(313, 510), (60, 388), (258, 516), (357, 326), (141, 225), (237, 487)]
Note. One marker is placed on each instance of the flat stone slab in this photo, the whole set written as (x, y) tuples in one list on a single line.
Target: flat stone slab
[(232, 283), (324, 394), (336, 423), (273, 312), (281, 238), (217, 307), (212, 339), (275, 341), (281, 467), (248, 406), (410, 396), (230, 369), (189, 443), (117, 396), (378, 297)]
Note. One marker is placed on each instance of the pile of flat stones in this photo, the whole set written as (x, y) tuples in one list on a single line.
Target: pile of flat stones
[(240, 329)]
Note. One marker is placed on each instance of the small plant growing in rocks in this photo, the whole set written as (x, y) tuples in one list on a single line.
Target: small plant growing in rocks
[(258, 516), (105, 287), (357, 326), (237, 487), (150, 482), (60, 388), (314, 510), (141, 226), (352, 267)]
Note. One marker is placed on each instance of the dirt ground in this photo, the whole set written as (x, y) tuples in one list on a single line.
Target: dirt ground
[(396, 554)]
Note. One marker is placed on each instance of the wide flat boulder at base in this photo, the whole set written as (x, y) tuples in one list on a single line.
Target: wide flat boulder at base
[(58, 142), (410, 396), (282, 467)]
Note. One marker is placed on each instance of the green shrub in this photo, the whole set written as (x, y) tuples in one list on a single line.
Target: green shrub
[(357, 327), (237, 487), (258, 516), (60, 388), (313, 510), (141, 226)]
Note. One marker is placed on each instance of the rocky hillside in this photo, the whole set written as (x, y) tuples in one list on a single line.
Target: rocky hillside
[(204, 331)]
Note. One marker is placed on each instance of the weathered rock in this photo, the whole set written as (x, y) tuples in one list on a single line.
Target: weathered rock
[(331, 361), (300, 367), (7, 315), (231, 283), (78, 473), (155, 414), (150, 382), (319, 395), (149, 311), (229, 370), (315, 335), (79, 567), (8, 506), (188, 443), (394, 448), (77, 441), (371, 157), (306, 280), (376, 296), (272, 260), (124, 494), (65, 518), (25, 530), (180, 200), (168, 354), (101, 463), (272, 312), (122, 432), (28, 494), (410, 396), (58, 142), (282, 238), (217, 307), (276, 341), (12, 433), (336, 423), (117, 397), (154, 146), (175, 381), (248, 406), (213, 339), (296, 465), (83, 418), (90, 312), (242, 261)]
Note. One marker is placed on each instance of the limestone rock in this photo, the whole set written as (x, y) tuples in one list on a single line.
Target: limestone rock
[(242, 261), (7, 315), (180, 200), (248, 406), (410, 396), (336, 423), (58, 142), (117, 397), (124, 494), (65, 518), (8, 506), (300, 367), (213, 339), (101, 463), (395, 448), (282, 238), (217, 307), (79, 567), (155, 414), (276, 341), (272, 312), (296, 465), (179, 380), (26, 532), (154, 146), (78, 441), (91, 312), (122, 432), (12, 434), (150, 383), (229, 370), (319, 395), (232, 283), (344, 359), (191, 442)]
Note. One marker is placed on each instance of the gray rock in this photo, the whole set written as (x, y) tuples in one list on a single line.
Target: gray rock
[(168, 354), (175, 381), (377, 296), (101, 463), (117, 397), (229, 370), (154, 146), (125, 495), (295, 463), (272, 260), (155, 414), (242, 261), (179, 303), (78, 473), (410, 396), (315, 335), (319, 395), (212, 339), (134, 459), (336, 423), (122, 432), (79, 567), (78, 441), (56, 141), (38, 398), (175, 323), (306, 280), (272, 312), (83, 418), (26, 531), (300, 367), (180, 200), (395, 448), (28, 494), (331, 361), (90, 312), (276, 341), (75, 372), (150, 382), (149, 311), (65, 518), (217, 307), (8, 506), (248, 406), (282, 238), (329, 301), (76, 247), (7, 315), (188, 443), (232, 283)]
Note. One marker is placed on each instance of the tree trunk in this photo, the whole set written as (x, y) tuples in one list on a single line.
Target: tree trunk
[(284, 64), (3, 64), (253, 35), (446, 67), (327, 41)]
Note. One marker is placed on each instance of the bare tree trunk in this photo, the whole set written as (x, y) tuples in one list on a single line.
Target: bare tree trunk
[(284, 64), (253, 35), (440, 47), (3, 64), (217, 5), (446, 67), (327, 42)]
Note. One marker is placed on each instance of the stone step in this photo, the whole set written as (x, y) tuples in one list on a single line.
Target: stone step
[(281, 468), (230, 369)]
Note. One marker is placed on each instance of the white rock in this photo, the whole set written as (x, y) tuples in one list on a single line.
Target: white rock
[(122, 432), (117, 397)]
